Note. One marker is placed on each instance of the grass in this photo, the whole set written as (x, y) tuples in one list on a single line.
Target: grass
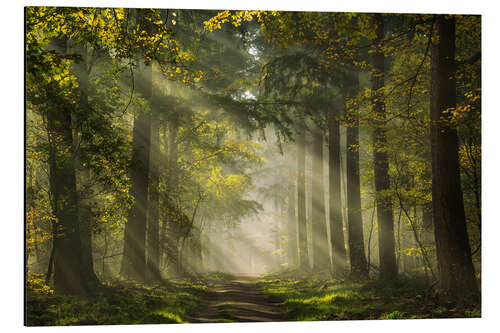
[(306, 299), (323, 299), (119, 303)]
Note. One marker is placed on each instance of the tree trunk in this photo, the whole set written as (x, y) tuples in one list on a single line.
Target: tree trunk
[(336, 226), (321, 256), (30, 234), (301, 200), (82, 72), (62, 178), (153, 235), (163, 231), (134, 250), (172, 244), (292, 227), (456, 272), (388, 269), (359, 266)]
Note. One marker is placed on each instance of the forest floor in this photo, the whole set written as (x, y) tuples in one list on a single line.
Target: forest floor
[(220, 297), (114, 303), (315, 298)]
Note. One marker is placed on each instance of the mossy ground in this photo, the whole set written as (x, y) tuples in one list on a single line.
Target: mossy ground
[(119, 302), (326, 299), (308, 298)]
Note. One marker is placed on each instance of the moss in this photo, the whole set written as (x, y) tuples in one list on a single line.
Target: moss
[(322, 299), (124, 303)]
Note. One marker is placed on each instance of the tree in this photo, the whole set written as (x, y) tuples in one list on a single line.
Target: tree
[(153, 230), (321, 256), (292, 250), (134, 248), (388, 269), (359, 268), (301, 200), (456, 273), (66, 242), (336, 226), (82, 71)]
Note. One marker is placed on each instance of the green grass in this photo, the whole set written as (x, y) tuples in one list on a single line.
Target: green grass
[(322, 299), (119, 303)]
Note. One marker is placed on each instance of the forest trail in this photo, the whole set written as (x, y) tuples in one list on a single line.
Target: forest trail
[(238, 300)]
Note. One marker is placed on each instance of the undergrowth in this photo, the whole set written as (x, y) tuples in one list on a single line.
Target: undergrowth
[(120, 302), (327, 299)]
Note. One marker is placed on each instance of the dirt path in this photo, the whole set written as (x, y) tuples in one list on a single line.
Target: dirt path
[(239, 300)]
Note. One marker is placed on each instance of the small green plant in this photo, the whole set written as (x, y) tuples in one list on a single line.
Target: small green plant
[(394, 315)]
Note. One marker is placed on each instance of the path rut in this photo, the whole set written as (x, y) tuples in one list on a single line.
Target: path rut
[(238, 300)]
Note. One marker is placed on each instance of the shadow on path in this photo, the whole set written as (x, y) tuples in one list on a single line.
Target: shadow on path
[(238, 300)]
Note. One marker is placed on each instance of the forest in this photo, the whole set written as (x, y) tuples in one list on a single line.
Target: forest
[(209, 166)]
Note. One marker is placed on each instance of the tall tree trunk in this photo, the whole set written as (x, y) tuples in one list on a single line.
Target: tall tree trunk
[(30, 234), (134, 249), (164, 203), (301, 200), (456, 272), (153, 235), (197, 261), (62, 178), (292, 250), (172, 244), (359, 265), (82, 71), (336, 226), (388, 269), (321, 256)]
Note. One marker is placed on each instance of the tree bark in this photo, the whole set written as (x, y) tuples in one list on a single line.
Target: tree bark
[(82, 72), (456, 272), (359, 266), (153, 235), (62, 178), (321, 256), (388, 269), (301, 200), (134, 250), (172, 244), (292, 250), (336, 225)]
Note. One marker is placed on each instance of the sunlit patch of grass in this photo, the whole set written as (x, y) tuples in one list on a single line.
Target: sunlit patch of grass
[(127, 303), (317, 299), (167, 316)]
